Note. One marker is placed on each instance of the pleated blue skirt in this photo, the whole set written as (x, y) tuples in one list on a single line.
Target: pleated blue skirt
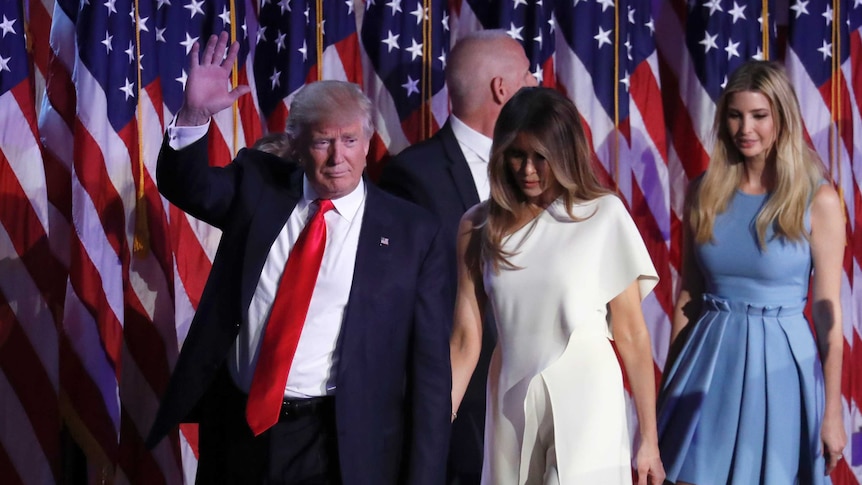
[(744, 399)]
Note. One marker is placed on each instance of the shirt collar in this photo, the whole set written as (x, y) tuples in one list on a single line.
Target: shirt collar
[(470, 138), (346, 206)]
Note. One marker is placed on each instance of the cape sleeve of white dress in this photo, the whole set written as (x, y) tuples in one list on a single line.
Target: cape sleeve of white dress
[(575, 409)]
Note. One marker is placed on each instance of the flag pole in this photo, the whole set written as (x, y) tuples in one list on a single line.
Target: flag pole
[(764, 30), (835, 139), (425, 106), (319, 37), (616, 145), (141, 241), (234, 79)]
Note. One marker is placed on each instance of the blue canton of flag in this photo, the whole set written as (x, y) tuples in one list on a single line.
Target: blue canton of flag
[(106, 45), (288, 46), (14, 66), (721, 35), (811, 23), (637, 30), (286, 50), (178, 25), (854, 15), (407, 43), (588, 28)]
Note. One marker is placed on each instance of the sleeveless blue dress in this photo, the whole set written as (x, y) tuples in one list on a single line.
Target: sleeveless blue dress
[(743, 402)]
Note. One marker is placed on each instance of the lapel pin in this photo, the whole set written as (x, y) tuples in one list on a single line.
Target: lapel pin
[(384, 241)]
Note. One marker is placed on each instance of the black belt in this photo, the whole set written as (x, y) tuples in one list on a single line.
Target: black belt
[(294, 408)]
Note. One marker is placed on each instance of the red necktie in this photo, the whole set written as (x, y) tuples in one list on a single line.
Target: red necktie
[(285, 324)]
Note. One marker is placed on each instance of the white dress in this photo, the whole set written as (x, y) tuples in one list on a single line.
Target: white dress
[(556, 409)]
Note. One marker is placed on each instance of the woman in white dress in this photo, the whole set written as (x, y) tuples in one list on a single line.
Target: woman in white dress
[(559, 261)]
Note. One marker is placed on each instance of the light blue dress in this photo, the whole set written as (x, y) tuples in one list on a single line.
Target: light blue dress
[(744, 399)]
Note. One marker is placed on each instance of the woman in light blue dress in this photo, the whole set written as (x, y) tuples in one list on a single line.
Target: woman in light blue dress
[(750, 394)]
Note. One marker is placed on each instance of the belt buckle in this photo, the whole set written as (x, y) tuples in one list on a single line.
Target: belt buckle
[(292, 408)]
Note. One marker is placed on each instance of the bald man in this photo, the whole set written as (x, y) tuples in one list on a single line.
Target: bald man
[(447, 174)]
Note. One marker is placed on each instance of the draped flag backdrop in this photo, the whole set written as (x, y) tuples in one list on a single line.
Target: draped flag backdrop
[(100, 276)]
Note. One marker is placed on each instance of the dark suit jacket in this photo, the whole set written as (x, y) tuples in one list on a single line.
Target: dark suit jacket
[(394, 380), (435, 175)]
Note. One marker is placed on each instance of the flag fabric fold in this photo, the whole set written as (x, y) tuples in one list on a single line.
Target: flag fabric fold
[(100, 276)]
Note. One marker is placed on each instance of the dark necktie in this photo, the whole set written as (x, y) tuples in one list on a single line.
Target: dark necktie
[(284, 327)]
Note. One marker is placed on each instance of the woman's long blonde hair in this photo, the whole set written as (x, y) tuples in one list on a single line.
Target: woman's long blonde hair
[(797, 168), (554, 125)]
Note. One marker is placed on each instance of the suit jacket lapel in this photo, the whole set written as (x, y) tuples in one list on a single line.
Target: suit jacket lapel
[(371, 254), (458, 167), (271, 213)]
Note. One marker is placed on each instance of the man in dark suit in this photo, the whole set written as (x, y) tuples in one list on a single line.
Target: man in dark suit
[(447, 174), (367, 396)]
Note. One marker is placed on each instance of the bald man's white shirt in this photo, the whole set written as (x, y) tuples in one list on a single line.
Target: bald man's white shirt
[(476, 148)]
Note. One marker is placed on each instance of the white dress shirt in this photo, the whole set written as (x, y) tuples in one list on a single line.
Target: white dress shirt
[(476, 148), (314, 366)]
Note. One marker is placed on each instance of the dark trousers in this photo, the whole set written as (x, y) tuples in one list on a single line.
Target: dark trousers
[(301, 449)]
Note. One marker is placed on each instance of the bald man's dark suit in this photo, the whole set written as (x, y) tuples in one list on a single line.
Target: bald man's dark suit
[(393, 383), (435, 175)]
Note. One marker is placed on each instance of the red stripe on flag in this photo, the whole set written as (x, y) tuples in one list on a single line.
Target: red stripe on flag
[(27, 376), (134, 459), (190, 433), (277, 120), (853, 369), (157, 227), (60, 90), (413, 125), (58, 181), (90, 420), (217, 147), (145, 344), (855, 241), (646, 95), (154, 92), (24, 96), (248, 115), (90, 168), (193, 265), (8, 473), (655, 243), (685, 139), (40, 28), (348, 52), (549, 76), (88, 285), (29, 239)]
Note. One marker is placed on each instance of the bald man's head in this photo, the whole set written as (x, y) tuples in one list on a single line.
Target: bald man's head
[(483, 71)]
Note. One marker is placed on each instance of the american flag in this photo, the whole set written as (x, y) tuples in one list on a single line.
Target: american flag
[(851, 69), (610, 72), (29, 366), (299, 42), (404, 45), (823, 42), (101, 276)]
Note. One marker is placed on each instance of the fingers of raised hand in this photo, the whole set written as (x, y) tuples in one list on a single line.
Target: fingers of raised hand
[(209, 49), (220, 48), (214, 50), (232, 53)]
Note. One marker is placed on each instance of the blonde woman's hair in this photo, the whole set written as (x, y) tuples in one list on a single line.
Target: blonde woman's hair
[(554, 126), (797, 168)]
